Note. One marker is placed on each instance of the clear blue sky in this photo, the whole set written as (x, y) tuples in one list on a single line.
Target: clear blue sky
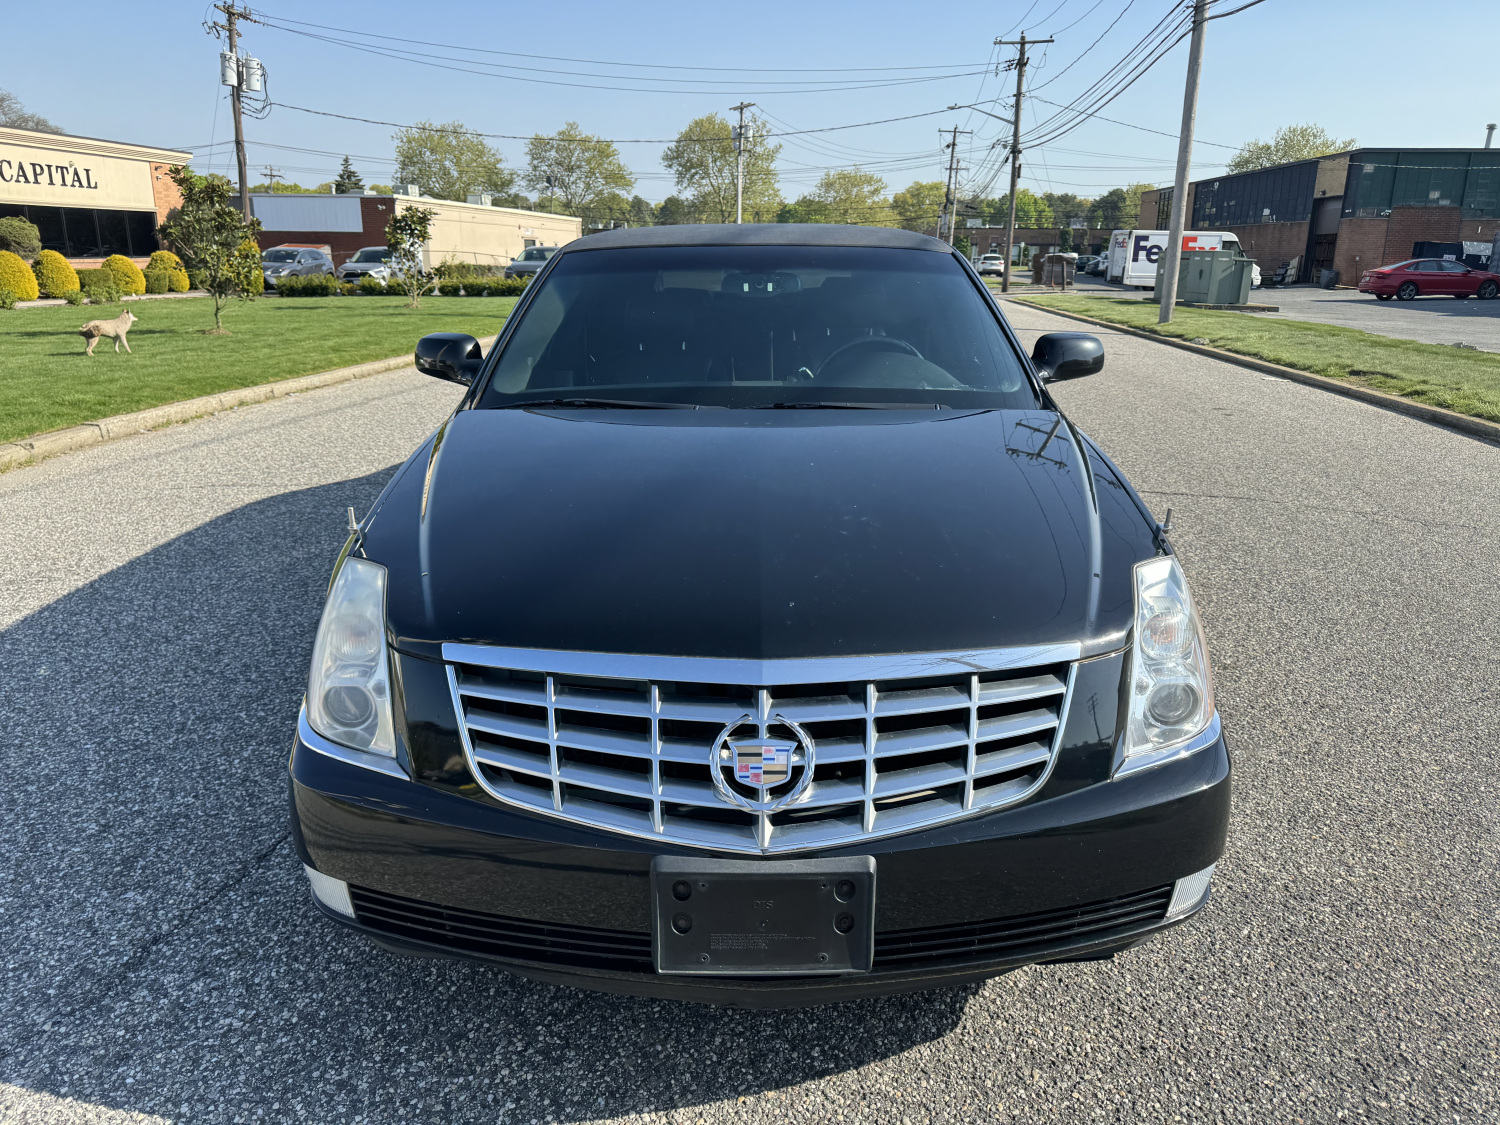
[(149, 74)]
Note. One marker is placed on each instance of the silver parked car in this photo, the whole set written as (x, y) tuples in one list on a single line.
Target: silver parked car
[(293, 261), (372, 261), (532, 259)]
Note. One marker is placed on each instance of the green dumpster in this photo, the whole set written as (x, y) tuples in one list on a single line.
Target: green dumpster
[(1213, 277)]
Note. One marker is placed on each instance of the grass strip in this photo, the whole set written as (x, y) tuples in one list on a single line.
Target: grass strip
[(1467, 382), (46, 382)]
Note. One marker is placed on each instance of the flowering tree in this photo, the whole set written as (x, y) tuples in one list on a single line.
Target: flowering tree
[(406, 234)]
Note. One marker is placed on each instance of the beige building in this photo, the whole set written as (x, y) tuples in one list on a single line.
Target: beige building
[(469, 232), (89, 198)]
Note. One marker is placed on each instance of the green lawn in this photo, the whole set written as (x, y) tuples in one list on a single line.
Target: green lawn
[(1454, 378), (46, 382)]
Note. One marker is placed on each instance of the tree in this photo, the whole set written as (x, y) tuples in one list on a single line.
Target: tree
[(917, 208), (450, 162), (1119, 208), (1066, 207), (1031, 211), (641, 212), (1290, 144), (406, 234), (853, 195), (673, 210), (583, 173), (348, 181), (214, 239), (805, 209), (703, 161), (13, 115)]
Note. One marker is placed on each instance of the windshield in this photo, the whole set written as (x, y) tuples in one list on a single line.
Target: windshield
[(279, 256), (760, 326), (379, 254), (538, 254)]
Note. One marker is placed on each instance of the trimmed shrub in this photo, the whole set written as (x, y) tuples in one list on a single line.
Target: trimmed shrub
[(314, 285), (16, 276), (54, 276), (158, 281), (73, 296), (251, 249), (20, 237), (371, 286), (509, 286), (7, 298), (128, 276), (346, 288), (476, 287), (178, 281), (177, 274), (164, 260), (103, 293), (450, 288), (87, 279)]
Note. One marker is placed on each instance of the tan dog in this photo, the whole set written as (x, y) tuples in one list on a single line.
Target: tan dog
[(115, 329)]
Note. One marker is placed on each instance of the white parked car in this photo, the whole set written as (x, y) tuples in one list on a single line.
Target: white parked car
[(991, 264)]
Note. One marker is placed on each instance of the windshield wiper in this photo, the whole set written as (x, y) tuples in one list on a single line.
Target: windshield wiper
[(613, 403), (849, 406)]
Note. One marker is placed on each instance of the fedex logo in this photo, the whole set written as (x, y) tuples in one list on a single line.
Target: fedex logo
[(1202, 242), (1143, 248)]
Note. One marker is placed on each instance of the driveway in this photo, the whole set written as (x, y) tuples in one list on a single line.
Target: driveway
[(1432, 320), (161, 961)]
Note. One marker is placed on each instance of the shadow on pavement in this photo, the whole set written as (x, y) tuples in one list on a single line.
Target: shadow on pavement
[(158, 951)]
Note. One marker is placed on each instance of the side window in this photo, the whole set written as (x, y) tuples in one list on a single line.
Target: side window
[(1429, 266), (1453, 267)]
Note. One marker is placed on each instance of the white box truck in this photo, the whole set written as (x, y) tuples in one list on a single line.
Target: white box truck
[(1133, 254)]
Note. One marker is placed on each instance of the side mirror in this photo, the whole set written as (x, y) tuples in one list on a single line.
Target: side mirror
[(1065, 355), (454, 356)]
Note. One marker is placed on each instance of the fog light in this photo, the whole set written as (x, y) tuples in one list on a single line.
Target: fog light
[(1189, 892), (334, 893)]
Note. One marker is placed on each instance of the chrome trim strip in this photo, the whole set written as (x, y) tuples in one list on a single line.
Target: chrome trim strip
[(315, 741), (715, 670), (1200, 741)]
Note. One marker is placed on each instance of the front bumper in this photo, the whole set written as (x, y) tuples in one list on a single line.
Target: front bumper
[(1076, 877)]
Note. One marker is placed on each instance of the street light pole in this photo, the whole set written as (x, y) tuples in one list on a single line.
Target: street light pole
[(1171, 261)]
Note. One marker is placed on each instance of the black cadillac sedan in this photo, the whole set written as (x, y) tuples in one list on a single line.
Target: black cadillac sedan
[(758, 631)]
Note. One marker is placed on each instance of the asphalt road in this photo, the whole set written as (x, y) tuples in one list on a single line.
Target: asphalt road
[(161, 961)]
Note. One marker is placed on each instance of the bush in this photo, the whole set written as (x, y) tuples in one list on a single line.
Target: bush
[(509, 286), (450, 288), (251, 249), (157, 281), (103, 294), (371, 286), (477, 287), (54, 276), (16, 276), (177, 274), (128, 276), (7, 298), (87, 279), (73, 296), (20, 237), (315, 285), (346, 288)]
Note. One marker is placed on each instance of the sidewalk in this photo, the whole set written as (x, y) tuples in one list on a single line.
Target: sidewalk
[(54, 302)]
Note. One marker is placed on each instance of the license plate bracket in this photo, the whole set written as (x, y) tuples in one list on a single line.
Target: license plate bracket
[(791, 917)]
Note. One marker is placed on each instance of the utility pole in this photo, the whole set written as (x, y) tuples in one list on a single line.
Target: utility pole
[(738, 136), (272, 176), (230, 26), (1015, 147), (950, 196), (1167, 270)]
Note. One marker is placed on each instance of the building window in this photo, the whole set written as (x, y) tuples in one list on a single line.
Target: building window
[(85, 232), (1380, 181), (1268, 195)]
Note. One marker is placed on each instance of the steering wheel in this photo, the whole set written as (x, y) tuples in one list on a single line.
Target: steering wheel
[(885, 343)]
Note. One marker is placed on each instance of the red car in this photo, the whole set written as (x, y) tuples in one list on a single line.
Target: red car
[(1430, 277)]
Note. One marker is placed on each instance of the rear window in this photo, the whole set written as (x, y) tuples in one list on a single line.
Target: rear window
[(372, 255), (759, 325)]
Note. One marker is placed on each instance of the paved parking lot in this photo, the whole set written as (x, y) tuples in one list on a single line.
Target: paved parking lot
[(161, 962)]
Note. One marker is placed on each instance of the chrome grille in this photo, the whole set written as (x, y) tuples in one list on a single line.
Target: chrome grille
[(626, 743)]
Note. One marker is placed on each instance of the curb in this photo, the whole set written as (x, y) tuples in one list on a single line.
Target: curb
[(38, 446), (1436, 415)]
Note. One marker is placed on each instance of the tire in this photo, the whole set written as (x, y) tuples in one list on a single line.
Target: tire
[(1382, 296), (1408, 291), (1489, 291)]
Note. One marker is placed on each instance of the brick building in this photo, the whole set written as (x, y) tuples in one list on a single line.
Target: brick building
[(1350, 211), (1044, 240), (88, 198)]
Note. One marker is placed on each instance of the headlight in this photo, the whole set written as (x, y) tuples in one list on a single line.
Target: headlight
[(1171, 688), (349, 690)]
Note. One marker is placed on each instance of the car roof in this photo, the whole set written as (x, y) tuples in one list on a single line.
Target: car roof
[(758, 234)]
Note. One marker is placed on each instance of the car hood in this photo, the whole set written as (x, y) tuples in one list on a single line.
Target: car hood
[(757, 534)]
